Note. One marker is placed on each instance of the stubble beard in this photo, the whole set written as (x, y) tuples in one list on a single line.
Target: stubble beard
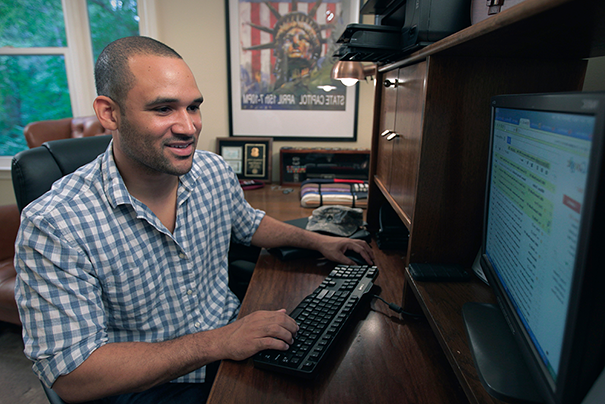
[(141, 149)]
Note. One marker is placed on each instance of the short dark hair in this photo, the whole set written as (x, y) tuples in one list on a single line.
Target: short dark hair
[(113, 77)]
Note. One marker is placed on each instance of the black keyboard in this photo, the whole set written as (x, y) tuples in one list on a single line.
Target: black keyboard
[(321, 317)]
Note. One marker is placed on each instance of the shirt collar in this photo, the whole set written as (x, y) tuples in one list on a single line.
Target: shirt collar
[(113, 184), (116, 191)]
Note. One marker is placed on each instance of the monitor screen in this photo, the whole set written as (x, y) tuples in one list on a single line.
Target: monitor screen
[(537, 184), (541, 235)]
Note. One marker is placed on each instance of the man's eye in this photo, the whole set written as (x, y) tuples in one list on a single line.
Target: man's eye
[(162, 110), (194, 108)]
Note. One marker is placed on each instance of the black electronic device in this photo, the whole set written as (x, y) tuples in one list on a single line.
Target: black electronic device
[(364, 42), (400, 28), (392, 235), (428, 21), (321, 316), (542, 250), (438, 272)]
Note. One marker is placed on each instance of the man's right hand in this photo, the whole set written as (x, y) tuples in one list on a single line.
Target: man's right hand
[(256, 332), (123, 367)]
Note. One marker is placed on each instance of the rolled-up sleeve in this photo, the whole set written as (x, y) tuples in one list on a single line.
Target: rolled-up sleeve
[(59, 300)]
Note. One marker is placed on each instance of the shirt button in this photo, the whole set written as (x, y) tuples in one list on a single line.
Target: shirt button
[(197, 325), (182, 256), (190, 292)]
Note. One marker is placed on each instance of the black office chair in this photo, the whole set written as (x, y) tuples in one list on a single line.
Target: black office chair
[(35, 170)]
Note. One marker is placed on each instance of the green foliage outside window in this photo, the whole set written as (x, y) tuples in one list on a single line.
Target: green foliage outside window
[(111, 20), (34, 87), (29, 23), (31, 87)]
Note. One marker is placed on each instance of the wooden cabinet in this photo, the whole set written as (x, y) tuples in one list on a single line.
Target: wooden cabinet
[(384, 145), (433, 170), (434, 107), (400, 135)]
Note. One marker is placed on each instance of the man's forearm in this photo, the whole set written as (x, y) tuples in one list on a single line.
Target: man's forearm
[(126, 367), (273, 233), (118, 368)]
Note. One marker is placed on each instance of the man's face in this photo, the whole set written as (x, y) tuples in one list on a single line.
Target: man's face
[(160, 121)]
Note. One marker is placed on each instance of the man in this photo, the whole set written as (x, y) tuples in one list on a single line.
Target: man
[(122, 266)]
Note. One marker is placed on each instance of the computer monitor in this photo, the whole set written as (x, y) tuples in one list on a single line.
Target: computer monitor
[(543, 249)]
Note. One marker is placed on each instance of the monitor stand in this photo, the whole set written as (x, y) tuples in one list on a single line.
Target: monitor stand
[(498, 359)]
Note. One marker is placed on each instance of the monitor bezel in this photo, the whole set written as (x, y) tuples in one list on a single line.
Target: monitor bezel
[(584, 296)]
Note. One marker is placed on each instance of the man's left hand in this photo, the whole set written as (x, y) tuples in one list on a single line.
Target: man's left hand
[(335, 248)]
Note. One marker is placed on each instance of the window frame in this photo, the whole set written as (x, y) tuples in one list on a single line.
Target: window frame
[(79, 64)]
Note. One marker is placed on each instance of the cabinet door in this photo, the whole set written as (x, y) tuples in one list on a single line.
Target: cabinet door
[(406, 146), (387, 123)]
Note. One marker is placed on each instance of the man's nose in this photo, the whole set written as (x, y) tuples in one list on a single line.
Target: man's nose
[(187, 122)]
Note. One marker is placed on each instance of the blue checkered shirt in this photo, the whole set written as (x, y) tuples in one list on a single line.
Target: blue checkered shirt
[(95, 265)]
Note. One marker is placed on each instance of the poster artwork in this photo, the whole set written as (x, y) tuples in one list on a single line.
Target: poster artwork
[(286, 52)]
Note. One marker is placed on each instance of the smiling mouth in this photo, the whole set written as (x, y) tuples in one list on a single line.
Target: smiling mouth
[(181, 149)]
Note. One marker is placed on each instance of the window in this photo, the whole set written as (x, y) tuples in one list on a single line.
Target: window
[(47, 62)]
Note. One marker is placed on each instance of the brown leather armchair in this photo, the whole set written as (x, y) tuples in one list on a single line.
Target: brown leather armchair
[(39, 132), (9, 220)]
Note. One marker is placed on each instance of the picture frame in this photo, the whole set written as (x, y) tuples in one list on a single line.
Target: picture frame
[(280, 87), (249, 157)]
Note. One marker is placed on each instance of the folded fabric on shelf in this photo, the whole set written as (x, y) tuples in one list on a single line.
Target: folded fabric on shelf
[(320, 192)]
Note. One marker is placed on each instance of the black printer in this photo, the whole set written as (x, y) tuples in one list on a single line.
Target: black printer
[(401, 27)]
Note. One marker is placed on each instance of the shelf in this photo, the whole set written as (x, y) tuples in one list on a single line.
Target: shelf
[(442, 303), (402, 215), (536, 29)]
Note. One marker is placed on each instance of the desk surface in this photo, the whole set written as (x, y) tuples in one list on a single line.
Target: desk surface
[(383, 358), (280, 202)]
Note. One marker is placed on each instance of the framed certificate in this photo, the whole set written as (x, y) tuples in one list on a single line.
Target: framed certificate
[(249, 157)]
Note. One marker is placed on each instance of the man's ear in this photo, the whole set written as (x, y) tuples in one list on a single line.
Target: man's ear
[(107, 111)]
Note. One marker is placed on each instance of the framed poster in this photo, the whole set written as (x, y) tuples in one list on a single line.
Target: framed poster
[(280, 60), (249, 157)]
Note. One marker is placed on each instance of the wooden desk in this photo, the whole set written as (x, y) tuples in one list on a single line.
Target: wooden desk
[(383, 358), (280, 202)]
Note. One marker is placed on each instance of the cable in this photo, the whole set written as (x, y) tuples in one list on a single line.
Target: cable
[(398, 309)]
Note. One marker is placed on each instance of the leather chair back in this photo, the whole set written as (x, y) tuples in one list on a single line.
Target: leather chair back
[(36, 133), (35, 170)]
